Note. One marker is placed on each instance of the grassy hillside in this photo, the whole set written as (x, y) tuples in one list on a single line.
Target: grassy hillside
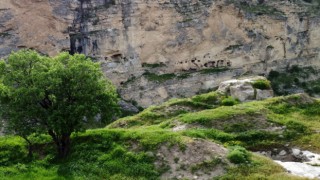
[(162, 142)]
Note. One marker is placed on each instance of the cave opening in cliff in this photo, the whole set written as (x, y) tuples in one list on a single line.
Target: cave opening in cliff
[(75, 45)]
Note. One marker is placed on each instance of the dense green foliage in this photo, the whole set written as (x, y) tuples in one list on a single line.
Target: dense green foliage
[(57, 95)]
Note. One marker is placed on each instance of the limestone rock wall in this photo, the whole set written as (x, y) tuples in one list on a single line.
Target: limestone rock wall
[(157, 49)]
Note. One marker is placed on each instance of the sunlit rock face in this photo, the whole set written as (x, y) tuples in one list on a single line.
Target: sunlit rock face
[(156, 50)]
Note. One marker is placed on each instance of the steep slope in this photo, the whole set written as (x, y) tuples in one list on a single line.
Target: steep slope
[(156, 50), (180, 139), (274, 125)]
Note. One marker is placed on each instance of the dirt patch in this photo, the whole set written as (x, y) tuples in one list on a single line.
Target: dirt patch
[(198, 159)]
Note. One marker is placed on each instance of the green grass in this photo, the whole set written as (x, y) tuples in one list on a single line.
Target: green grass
[(126, 149), (170, 109), (208, 117), (96, 154), (155, 65), (245, 124)]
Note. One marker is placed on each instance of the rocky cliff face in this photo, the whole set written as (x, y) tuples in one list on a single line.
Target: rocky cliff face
[(155, 50)]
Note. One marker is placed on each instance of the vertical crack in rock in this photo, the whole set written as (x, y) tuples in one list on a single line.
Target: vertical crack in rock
[(127, 10), (79, 29)]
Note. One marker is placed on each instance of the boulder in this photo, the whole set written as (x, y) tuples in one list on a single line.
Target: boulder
[(243, 90), (263, 94)]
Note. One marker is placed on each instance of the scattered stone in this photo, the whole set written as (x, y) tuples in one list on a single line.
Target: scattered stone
[(283, 153)]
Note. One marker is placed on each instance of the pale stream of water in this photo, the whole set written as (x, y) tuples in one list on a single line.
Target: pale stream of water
[(307, 168)]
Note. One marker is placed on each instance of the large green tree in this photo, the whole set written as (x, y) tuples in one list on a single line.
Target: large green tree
[(58, 95)]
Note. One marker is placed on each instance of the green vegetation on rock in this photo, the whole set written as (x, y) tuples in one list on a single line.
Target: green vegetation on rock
[(159, 78), (261, 84)]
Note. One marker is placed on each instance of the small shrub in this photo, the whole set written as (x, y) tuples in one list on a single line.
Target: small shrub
[(261, 84), (311, 109), (253, 137), (210, 134), (273, 74), (229, 101), (12, 150), (238, 155), (209, 98), (281, 108), (294, 130)]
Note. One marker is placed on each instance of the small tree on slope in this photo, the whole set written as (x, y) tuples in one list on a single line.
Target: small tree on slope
[(57, 95)]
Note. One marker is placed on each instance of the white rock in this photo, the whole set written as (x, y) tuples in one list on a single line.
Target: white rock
[(263, 94), (296, 152), (283, 153)]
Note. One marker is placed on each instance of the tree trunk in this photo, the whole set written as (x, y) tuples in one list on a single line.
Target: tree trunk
[(62, 142), (30, 153), (64, 146)]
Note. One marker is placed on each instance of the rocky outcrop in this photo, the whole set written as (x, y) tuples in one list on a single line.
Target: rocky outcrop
[(155, 50), (244, 90), (127, 107)]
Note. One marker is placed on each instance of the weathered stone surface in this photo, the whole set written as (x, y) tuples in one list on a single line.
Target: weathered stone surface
[(263, 94), (185, 36), (128, 107), (243, 90)]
